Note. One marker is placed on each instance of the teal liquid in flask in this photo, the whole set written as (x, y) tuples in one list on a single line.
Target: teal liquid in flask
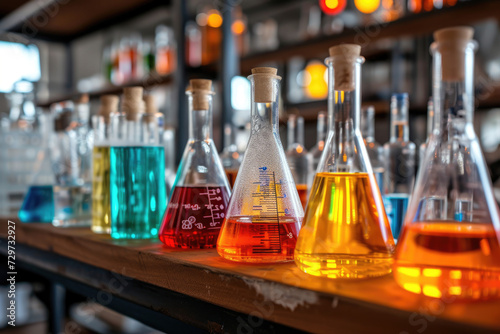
[(137, 169)]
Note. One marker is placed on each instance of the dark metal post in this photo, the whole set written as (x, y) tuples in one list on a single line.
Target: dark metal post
[(229, 63), (57, 308), (179, 23)]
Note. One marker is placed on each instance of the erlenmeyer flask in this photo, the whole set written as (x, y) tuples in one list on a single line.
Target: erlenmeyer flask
[(345, 233), (230, 157), (264, 213), (374, 149), (201, 192), (321, 130), (450, 241), (399, 156), (299, 161)]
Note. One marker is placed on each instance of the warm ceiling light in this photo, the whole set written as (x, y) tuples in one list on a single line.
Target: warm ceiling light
[(316, 87), (367, 6), (332, 7), (214, 19)]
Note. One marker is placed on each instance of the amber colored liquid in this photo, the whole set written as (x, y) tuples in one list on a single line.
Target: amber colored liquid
[(101, 208), (449, 260), (244, 239), (194, 217), (165, 61), (302, 190), (231, 176), (345, 233)]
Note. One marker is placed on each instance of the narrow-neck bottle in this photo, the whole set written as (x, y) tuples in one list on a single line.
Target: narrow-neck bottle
[(230, 157), (321, 131), (430, 128), (400, 155), (374, 149)]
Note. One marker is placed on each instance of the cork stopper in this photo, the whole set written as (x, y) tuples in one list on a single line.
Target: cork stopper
[(151, 108), (132, 103), (199, 89), (109, 104), (263, 84), (343, 58), (452, 43)]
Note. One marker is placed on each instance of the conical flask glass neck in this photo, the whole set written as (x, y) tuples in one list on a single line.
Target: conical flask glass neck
[(200, 119), (399, 118), (453, 91), (265, 106)]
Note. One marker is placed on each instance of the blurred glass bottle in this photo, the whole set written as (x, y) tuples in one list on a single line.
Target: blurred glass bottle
[(101, 211), (169, 145), (230, 157), (71, 160), (430, 128), (299, 161), (137, 165), (374, 149), (38, 204), (450, 245), (193, 44), (166, 50), (149, 56), (321, 130), (399, 155)]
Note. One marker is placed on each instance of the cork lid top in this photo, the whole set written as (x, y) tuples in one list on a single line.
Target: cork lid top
[(132, 103), (264, 87), (151, 107), (459, 34), (343, 57), (199, 90), (266, 71), (350, 52), (109, 104)]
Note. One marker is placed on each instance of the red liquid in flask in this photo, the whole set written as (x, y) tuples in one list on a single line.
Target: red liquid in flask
[(259, 241), (194, 217)]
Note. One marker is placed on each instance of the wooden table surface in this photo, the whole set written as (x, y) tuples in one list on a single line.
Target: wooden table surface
[(277, 292)]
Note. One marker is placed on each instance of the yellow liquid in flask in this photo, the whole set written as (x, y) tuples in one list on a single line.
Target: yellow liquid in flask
[(101, 210), (346, 233)]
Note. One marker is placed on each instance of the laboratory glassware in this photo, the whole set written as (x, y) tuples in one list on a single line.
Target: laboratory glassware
[(374, 149), (345, 233), (449, 246), (101, 209), (430, 128), (264, 213), (299, 161), (399, 156), (137, 169), (230, 157), (201, 192), (71, 155), (321, 130)]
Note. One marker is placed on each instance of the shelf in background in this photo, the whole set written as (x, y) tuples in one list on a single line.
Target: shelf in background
[(465, 13), (151, 81), (279, 293)]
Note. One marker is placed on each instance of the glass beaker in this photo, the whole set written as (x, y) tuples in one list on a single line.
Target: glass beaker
[(137, 169), (430, 129), (101, 209), (265, 213), (321, 130), (399, 156), (450, 247), (345, 233), (38, 204), (71, 155), (230, 157), (299, 161), (201, 192), (374, 149)]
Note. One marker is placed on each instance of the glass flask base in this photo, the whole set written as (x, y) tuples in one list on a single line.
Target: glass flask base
[(38, 205), (72, 222), (343, 265), (449, 259), (100, 229), (134, 234), (244, 240)]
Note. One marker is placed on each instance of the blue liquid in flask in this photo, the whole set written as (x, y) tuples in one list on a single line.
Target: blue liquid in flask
[(38, 205), (395, 207)]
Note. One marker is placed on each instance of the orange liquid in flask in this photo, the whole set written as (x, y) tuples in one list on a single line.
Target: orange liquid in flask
[(248, 239), (466, 249), (341, 237)]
